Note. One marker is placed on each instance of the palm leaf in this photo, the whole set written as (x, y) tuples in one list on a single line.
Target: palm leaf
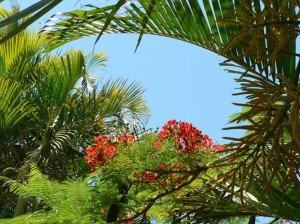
[(12, 107), (224, 27), (35, 11), (19, 56), (92, 61), (122, 101)]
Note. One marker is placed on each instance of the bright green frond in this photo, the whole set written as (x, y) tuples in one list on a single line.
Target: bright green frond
[(67, 202), (123, 100), (12, 107), (19, 55), (25, 17)]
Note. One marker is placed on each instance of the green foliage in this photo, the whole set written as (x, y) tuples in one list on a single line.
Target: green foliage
[(77, 201), (51, 106), (88, 200)]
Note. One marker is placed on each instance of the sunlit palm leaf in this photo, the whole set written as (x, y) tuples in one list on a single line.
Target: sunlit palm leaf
[(121, 99), (224, 27), (93, 61), (19, 56), (12, 107), (35, 11)]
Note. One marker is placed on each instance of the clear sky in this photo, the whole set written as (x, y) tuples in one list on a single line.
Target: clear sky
[(183, 81)]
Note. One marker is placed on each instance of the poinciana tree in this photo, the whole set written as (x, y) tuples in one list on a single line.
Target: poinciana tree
[(258, 40), (134, 179), (50, 107)]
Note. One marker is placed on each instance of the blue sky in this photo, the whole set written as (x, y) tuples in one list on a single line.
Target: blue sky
[(183, 81)]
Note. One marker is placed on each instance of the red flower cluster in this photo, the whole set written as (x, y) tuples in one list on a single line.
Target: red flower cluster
[(104, 147), (147, 177), (150, 177), (219, 147), (168, 178), (186, 136)]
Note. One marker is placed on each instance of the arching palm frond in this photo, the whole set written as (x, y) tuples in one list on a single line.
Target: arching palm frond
[(12, 107), (20, 20), (224, 27), (120, 98), (93, 61), (19, 56)]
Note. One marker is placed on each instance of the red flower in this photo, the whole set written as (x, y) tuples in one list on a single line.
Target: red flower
[(93, 169), (122, 138), (111, 150), (163, 134), (98, 138), (163, 166), (149, 177), (177, 180), (99, 145), (157, 144), (219, 147), (91, 150), (172, 122), (136, 175), (177, 165), (207, 142), (100, 159), (126, 139), (91, 162), (186, 136), (131, 139)]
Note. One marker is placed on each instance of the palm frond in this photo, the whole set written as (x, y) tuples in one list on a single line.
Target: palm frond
[(62, 74), (93, 60), (223, 27), (12, 107), (35, 11), (19, 56), (120, 100)]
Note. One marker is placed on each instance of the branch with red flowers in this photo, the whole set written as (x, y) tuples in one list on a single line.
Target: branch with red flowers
[(195, 173), (179, 139)]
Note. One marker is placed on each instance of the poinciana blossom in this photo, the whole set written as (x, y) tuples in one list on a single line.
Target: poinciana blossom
[(187, 137), (104, 147), (219, 147), (145, 166), (150, 177)]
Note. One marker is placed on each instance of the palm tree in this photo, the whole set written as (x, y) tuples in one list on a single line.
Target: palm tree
[(51, 107), (258, 40)]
